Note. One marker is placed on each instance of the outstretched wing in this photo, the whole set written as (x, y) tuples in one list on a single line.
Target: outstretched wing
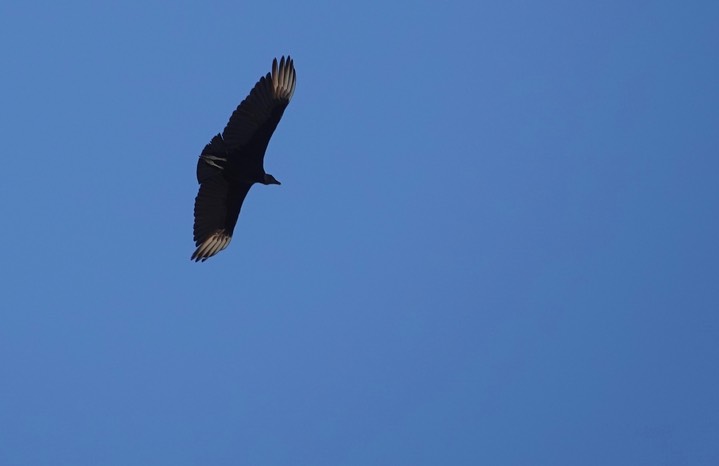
[(251, 125), (217, 207)]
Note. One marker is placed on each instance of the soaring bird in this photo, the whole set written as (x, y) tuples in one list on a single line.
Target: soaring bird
[(234, 160)]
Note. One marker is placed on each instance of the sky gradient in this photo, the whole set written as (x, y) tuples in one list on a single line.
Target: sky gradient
[(495, 241)]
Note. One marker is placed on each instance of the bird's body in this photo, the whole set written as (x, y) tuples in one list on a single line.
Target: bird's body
[(234, 160)]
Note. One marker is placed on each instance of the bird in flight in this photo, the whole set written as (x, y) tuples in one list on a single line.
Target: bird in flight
[(234, 160)]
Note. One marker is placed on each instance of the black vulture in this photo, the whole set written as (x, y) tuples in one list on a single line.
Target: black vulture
[(234, 160)]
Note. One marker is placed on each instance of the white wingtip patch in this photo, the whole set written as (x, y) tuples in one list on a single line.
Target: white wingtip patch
[(211, 246), (284, 78)]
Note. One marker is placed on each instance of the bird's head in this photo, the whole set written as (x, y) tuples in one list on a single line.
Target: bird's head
[(269, 179)]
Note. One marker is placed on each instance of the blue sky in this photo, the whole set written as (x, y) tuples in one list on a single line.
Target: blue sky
[(495, 241)]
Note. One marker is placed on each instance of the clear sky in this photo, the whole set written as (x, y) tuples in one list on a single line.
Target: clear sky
[(495, 241)]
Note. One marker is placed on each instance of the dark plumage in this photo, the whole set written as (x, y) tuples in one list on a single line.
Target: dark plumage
[(234, 160)]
